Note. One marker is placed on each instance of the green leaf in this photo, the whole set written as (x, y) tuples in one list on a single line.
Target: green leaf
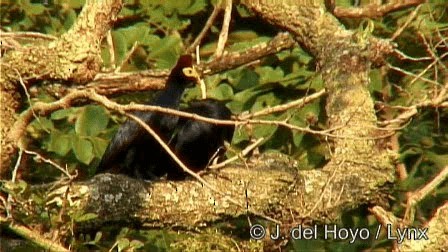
[(439, 160), (264, 130), (194, 7), (222, 92), (244, 100), (14, 188), (44, 124), (56, 26), (298, 54), (245, 79), (269, 75), (410, 152), (98, 236), (122, 244), (167, 17), (297, 138), (264, 101), (59, 143), (136, 244), (120, 46), (239, 46), (165, 51), (85, 217), (300, 119), (243, 11), (35, 9), (76, 4), (184, 7), (99, 146), (442, 191), (310, 110), (298, 77), (91, 121), (138, 32), (70, 19), (376, 83), (240, 135), (62, 113), (317, 82), (236, 106), (83, 149)]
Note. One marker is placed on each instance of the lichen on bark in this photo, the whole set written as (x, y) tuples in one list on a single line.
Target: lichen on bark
[(66, 59)]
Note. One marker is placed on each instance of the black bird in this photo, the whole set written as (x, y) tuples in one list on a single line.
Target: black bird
[(133, 151), (196, 142)]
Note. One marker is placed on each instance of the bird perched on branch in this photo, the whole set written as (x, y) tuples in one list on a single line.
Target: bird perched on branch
[(134, 152), (197, 142)]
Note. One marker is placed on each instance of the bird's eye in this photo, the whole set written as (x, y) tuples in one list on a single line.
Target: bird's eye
[(189, 72)]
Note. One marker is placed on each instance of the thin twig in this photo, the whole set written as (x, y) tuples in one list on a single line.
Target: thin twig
[(16, 167), (411, 74), (408, 21), (243, 153), (297, 103), (225, 28), (28, 97), (51, 162), (403, 56), (374, 10), (44, 108), (430, 49), (204, 30), (110, 43), (199, 78), (33, 236), (410, 111), (124, 82), (128, 55), (416, 197), (187, 170), (168, 149), (27, 35), (10, 200)]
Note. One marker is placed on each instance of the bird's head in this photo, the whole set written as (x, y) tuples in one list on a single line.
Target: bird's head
[(183, 72)]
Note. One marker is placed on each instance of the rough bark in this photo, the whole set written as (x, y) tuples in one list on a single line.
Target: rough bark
[(437, 234), (68, 58), (359, 172), (345, 59), (124, 82), (267, 188)]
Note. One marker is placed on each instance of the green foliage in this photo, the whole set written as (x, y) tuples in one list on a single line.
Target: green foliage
[(35, 16), (78, 131), (91, 121), (162, 30)]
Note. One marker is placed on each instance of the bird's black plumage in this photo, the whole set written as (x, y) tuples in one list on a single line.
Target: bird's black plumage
[(197, 142), (132, 150)]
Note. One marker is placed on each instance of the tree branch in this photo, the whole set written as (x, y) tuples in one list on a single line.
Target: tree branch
[(374, 10), (268, 188), (68, 59)]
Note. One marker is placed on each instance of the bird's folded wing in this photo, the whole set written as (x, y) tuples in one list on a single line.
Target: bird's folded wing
[(127, 134)]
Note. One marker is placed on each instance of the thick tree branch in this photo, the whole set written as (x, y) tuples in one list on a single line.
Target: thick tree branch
[(33, 236), (68, 58), (324, 194), (374, 10), (437, 228), (119, 83), (268, 187)]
